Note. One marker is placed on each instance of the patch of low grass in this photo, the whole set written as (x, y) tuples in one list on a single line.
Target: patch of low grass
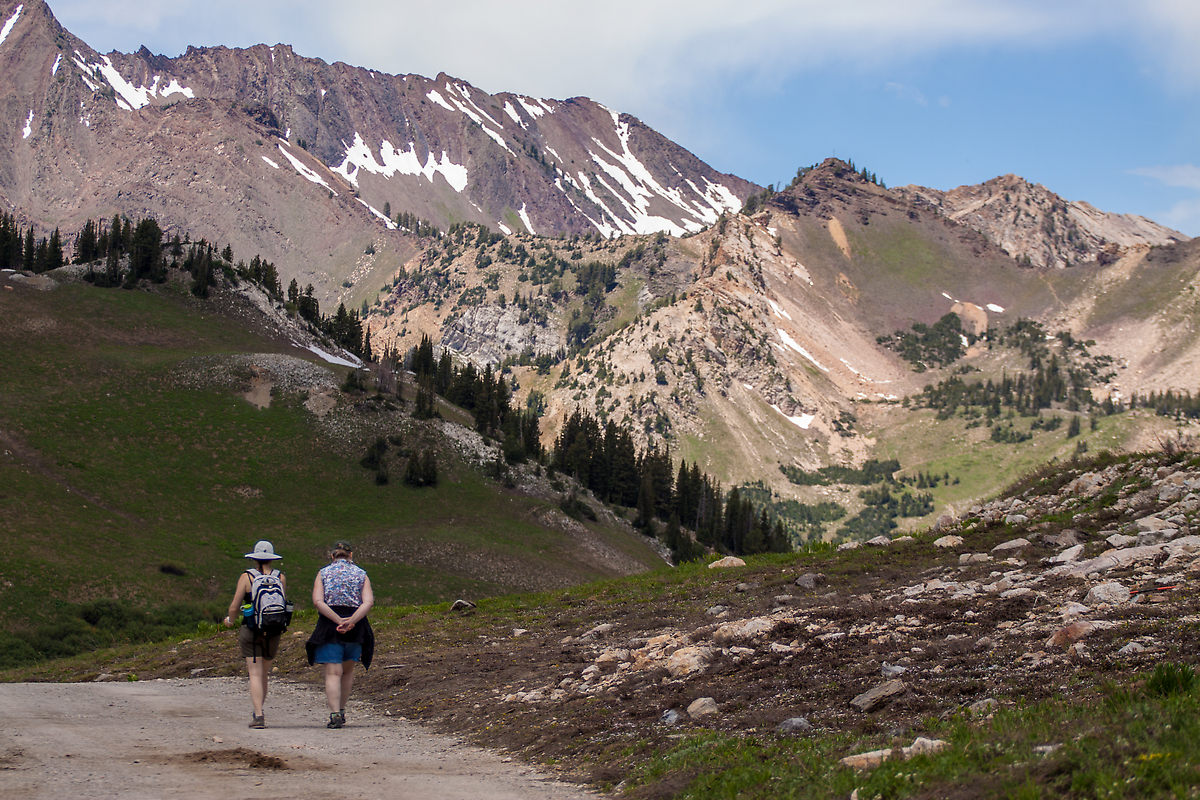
[(122, 469), (1140, 738)]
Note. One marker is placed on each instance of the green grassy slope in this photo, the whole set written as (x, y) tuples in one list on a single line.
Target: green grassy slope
[(115, 477)]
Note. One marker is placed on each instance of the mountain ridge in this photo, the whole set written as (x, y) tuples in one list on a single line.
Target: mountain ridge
[(223, 120)]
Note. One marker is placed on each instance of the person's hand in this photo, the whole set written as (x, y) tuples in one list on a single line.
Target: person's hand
[(345, 626), (227, 622)]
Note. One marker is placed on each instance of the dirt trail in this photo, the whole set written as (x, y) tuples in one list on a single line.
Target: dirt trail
[(188, 739)]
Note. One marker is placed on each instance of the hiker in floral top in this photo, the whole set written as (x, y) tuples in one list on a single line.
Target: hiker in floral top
[(343, 636)]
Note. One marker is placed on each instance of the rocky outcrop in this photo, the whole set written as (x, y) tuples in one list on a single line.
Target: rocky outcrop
[(488, 334), (1039, 228), (1017, 613)]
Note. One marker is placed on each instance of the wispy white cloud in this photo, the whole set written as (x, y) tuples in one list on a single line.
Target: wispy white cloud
[(1184, 214), (1168, 31), (631, 52), (909, 94), (1185, 176)]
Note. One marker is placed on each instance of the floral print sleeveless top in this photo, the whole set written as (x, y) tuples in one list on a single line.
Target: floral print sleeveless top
[(343, 583)]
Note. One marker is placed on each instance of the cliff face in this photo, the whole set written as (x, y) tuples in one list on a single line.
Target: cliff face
[(1039, 228)]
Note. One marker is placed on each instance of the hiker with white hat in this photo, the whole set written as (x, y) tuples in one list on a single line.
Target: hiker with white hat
[(259, 606)]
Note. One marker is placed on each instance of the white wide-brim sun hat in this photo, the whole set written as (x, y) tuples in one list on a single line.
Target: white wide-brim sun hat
[(263, 551)]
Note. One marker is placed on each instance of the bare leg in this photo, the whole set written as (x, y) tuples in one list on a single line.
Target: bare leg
[(258, 670), (333, 686), (347, 683)]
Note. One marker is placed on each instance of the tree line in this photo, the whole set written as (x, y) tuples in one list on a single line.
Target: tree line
[(483, 393), (135, 252), (21, 249), (604, 459)]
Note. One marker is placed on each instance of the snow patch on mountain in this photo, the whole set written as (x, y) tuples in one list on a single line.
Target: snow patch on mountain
[(129, 97), (473, 112), (639, 187), (524, 215), (8, 26), (54, 69), (332, 359), (391, 226), (436, 97), (534, 111), (800, 421), (403, 162), (512, 112), (269, 161), (28, 130), (305, 171), (794, 345), (779, 312)]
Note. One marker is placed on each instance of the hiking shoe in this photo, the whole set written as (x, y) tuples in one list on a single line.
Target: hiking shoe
[(336, 720), (258, 721)]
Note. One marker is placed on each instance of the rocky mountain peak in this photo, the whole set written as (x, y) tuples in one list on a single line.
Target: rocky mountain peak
[(235, 131), (1036, 226)]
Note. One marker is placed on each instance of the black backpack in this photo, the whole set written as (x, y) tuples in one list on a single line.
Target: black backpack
[(270, 612)]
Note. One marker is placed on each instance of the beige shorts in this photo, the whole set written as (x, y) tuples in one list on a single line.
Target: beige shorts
[(256, 645)]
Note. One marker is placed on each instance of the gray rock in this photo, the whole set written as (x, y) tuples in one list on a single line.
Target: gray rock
[(670, 717), (794, 725), (1011, 544), (1132, 649), (1064, 538), (874, 698), (599, 630), (1109, 592), (1016, 519), (717, 611), (892, 670), (462, 605), (811, 580), (1151, 523), (984, 706), (1121, 540), (702, 707), (949, 540), (689, 660), (1068, 555), (1157, 536), (880, 541)]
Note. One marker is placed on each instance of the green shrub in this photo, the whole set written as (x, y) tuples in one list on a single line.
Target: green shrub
[(1171, 679)]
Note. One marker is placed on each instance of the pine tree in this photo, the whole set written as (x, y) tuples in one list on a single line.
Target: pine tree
[(85, 245), (29, 253)]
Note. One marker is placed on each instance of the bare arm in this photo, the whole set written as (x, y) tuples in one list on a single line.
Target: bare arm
[(235, 616)]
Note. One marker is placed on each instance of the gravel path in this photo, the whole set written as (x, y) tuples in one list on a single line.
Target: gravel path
[(188, 739)]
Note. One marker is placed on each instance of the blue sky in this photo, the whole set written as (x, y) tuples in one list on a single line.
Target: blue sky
[(1095, 99)]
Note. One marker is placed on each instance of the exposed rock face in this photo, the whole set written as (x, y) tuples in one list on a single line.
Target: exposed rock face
[(1036, 226), (488, 334)]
